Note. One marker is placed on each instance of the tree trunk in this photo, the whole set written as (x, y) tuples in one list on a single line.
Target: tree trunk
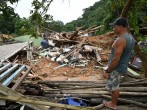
[(138, 51), (126, 8)]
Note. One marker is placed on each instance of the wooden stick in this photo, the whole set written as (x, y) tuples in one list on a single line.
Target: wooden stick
[(134, 84), (73, 95), (75, 33), (38, 102), (136, 81), (79, 47), (7, 91), (61, 82), (100, 92), (122, 89), (133, 89), (98, 57)]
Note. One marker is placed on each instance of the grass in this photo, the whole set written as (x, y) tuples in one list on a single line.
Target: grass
[(27, 38)]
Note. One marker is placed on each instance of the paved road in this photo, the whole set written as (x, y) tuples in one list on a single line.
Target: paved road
[(6, 51)]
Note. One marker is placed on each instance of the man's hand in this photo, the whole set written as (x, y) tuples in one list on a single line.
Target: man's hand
[(105, 75)]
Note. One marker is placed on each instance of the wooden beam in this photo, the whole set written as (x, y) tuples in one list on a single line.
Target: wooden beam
[(43, 102), (7, 91)]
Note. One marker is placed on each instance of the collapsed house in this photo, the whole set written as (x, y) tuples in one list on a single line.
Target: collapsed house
[(69, 71)]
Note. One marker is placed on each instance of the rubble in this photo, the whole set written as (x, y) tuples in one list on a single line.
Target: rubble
[(72, 52), (72, 65)]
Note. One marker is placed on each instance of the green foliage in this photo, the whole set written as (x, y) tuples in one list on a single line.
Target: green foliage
[(101, 13), (7, 17), (69, 27), (55, 26), (38, 16), (137, 16), (24, 27), (106, 11), (98, 14)]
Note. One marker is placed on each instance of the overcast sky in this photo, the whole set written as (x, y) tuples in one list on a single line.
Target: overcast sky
[(63, 10)]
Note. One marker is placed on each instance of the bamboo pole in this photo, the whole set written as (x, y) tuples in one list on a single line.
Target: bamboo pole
[(38, 102), (90, 90), (7, 91)]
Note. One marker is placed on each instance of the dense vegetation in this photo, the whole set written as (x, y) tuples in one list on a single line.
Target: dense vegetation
[(105, 11), (101, 13)]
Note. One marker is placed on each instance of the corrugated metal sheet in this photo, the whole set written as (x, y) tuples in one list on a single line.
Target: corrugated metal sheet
[(10, 72)]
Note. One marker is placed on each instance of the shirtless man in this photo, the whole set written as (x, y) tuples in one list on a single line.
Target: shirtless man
[(118, 59)]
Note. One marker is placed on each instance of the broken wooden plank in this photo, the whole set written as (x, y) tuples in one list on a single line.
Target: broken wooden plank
[(91, 29), (76, 49), (98, 57), (18, 82), (79, 47), (7, 91), (133, 72), (43, 102), (75, 33)]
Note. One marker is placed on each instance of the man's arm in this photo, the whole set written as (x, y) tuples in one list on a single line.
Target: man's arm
[(118, 50)]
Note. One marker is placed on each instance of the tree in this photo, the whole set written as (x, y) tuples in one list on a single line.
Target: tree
[(69, 27), (138, 50), (23, 26), (7, 17), (38, 17), (55, 26)]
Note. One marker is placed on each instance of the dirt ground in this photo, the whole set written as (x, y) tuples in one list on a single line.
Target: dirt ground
[(45, 70)]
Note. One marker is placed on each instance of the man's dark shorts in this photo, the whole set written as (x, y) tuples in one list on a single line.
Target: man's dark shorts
[(113, 81)]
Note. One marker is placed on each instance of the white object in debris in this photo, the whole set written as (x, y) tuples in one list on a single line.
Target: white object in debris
[(66, 50), (2, 102), (53, 54), (80, 65), (85, 35), (29, 52), (93, 47), (103, 67), (88, 48), (57, 36), (66, 60), (50, 42), (80, 56), (53, 58), (61, 57), (22, 108), (56, 49)]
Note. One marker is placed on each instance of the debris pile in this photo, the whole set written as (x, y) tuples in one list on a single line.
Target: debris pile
[(70, 55), (76, 50), (91, 91)]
